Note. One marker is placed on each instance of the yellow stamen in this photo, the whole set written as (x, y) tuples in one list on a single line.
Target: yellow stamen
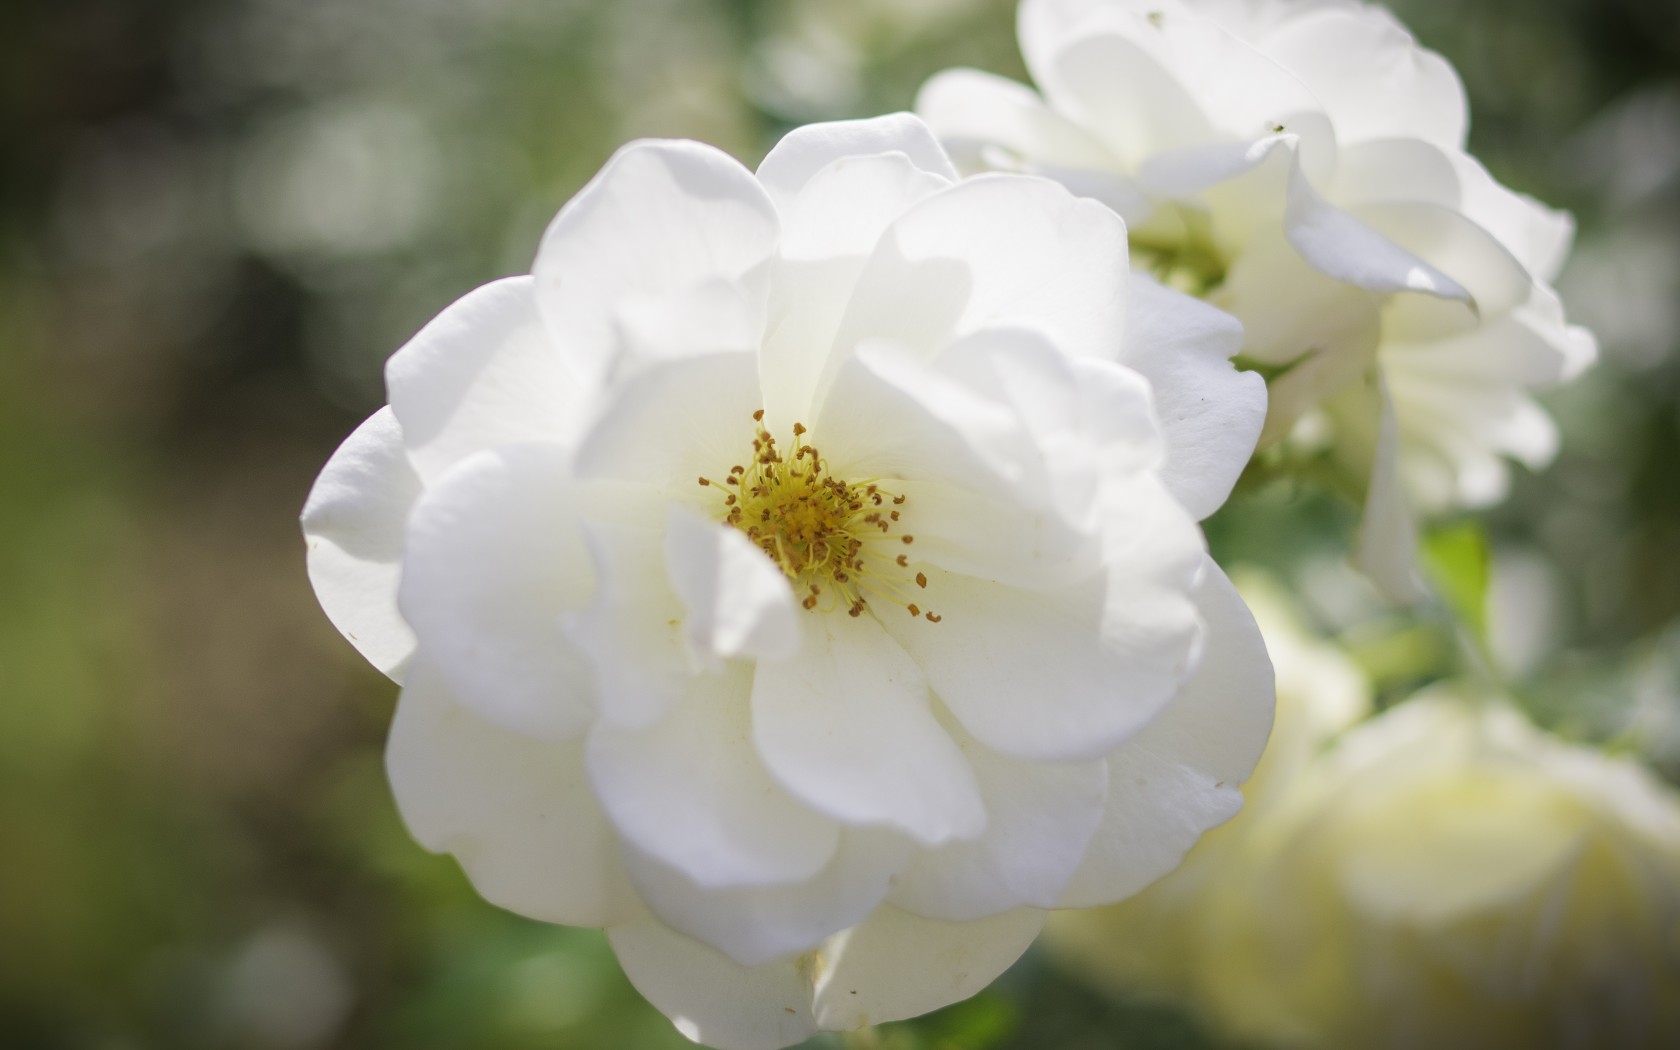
[(822, 531)]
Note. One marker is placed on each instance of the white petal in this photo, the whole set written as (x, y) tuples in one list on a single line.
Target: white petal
[(481, 375), (1087, 409), (1119, 192), (675, 422), (1118, 415), (1189, 171), (807, 150), (1368, 440), (1127, 99), (517, 811), (1460, 402), (887, 416), (892, 966), (711, 999), (756, 924), (970, 110), (1210, 412), (1358, 251), (1222, 714), (353, 524), (845, 725), (898, 965), (957, 457), (738, 601), (843, 209), (715, 316), (1149, 78), (1178, 778), (1372, 77), (996, 250), (1318, 377), (1079, 420), (1040, 816), (1575, 348), (633, 627), (1157, 809), (1242, 186), (1494, 279), (1460, 405), (1539, 236), (832, 225), (985, 533), (689, 790), (1397, 169), (494, 561), (660, 221), (1530, 347), (1068, 673), (1288, 309), (808, 299)]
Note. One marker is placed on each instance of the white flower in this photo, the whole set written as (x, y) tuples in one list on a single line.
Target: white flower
[(799, 575), (1302, 165), (1464, 877)]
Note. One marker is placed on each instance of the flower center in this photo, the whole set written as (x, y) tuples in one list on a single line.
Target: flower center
[(839, 541)]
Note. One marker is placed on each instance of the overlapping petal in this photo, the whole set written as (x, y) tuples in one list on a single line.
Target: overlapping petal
[(846, 726), (480, 375), (689, 790), (1371, 77), (737, 600), (894, 965), (756, 924), (804, 152), (353, 524), (663, 223), (514, 809), (1179, 776), (975, 111), (1097, 659), (493, 561), (1040, 817), (1210, 412), (1043, 259)]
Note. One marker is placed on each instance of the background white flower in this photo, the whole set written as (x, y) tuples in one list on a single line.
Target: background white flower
[(799, 576), (1445, 875), (1303, 165)]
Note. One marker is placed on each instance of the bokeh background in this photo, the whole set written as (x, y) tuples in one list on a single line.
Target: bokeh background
[(217, 217)]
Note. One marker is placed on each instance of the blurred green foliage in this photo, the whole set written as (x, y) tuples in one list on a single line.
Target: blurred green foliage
[(216, 219)]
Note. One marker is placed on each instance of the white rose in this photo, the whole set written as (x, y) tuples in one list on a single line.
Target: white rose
[(799, 577), (1302, 165)]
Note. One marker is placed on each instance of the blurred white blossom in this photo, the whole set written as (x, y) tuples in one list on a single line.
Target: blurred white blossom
[(1446, 875), (1303, 165), (799, 575)]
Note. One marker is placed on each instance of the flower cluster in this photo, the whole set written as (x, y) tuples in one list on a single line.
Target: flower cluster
[(1302, 165), (798, 575)]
